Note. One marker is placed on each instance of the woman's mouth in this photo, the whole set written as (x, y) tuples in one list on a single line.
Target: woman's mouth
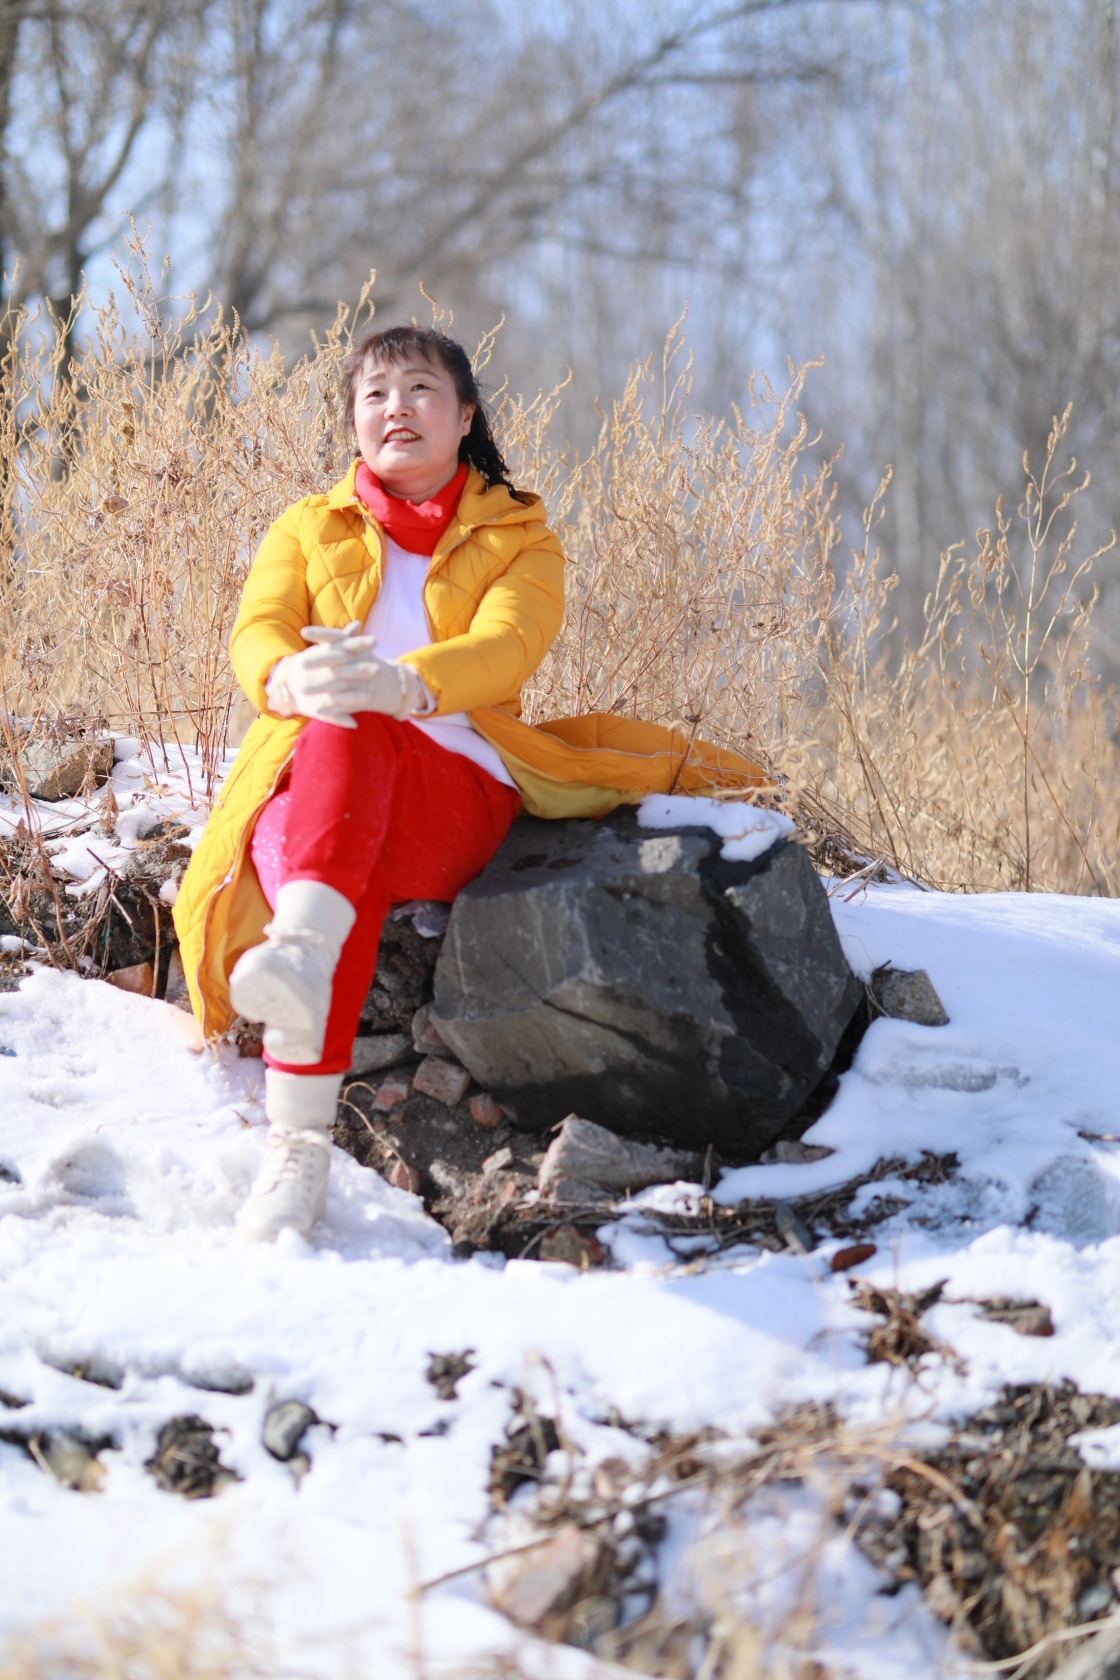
[(402, 434)]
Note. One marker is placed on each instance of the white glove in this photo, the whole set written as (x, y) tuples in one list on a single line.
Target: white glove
[(340, 674)]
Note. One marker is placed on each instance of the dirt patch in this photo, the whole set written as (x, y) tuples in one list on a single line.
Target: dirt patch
[(472, 1178), (479, 1181)]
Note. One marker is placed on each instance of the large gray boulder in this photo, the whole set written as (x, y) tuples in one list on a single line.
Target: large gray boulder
[(637, 978)]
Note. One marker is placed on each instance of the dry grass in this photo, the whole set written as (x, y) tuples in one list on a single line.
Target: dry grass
[(707, 588), (153, 1635)]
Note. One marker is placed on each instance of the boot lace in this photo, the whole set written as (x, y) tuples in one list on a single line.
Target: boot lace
[(292, 1154)]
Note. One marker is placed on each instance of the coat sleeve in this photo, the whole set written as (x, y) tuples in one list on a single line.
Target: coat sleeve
[(275, 606), (515, 624)]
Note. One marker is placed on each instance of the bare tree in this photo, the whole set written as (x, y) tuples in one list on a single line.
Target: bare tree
[(968, 240), (84, 91), (451, 146)]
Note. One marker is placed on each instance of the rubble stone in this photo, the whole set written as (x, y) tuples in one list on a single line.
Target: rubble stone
[(792, 1152), (285, 1425), (176, 992), (586, 1163), (425, 1039), (59, 771), (640, 979), (73, 1464), (528, 1586), (908, 995), (574, 1248), (792, 1228), (379, 1050)]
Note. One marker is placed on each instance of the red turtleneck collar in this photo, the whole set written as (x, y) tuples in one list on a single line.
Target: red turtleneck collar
[(414, 526)]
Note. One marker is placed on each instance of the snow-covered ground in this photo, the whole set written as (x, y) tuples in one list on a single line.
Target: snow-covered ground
[(124, 1153)]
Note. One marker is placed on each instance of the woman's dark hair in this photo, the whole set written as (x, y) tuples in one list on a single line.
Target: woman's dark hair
[(478, 448)]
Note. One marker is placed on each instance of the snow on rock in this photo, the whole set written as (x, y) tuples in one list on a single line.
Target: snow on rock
[(746, 830), (125, 1301)]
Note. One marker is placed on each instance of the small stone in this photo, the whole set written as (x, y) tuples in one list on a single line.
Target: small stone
[(485, 1111), (854, 1255), (429, 916), (403, 1177), (60, 772), (176, 992), (72, 1464), (445, 1081), (285, 1425), (494, 1163), (1094, 1601), (380, 1050), (572, 1248), (792, 1152), (908, 995), (425, 1039), (138, 978), (528, 1586), (586, 1162), (392, 1091), (792, 1229)]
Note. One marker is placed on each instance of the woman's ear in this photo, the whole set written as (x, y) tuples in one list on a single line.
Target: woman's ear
[(468, 417)]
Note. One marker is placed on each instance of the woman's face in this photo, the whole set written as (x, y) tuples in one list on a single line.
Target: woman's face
[(410, 422)]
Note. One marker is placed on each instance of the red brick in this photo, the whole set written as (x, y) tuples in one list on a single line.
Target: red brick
[(445, 1081), (392, 1091), (485, 1111)]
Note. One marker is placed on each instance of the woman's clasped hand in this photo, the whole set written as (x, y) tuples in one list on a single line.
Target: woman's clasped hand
[(340, 674)]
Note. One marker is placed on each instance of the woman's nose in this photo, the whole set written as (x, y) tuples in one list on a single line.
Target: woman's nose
[(398, 403)]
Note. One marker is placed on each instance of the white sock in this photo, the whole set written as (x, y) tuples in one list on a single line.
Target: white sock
[(313, 907), (301, 1101)]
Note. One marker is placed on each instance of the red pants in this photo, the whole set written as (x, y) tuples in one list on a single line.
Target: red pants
[(380, 813)]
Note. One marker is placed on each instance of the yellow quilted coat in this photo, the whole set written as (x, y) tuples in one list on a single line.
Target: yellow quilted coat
[(494, 598)]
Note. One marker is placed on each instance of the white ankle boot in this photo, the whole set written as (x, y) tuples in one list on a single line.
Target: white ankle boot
[(290, 1192), (286, 982)]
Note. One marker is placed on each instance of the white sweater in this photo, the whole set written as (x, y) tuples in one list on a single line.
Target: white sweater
[(399, 624)]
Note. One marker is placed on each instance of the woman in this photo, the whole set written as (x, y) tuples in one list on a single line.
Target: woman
[(385, 632)]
